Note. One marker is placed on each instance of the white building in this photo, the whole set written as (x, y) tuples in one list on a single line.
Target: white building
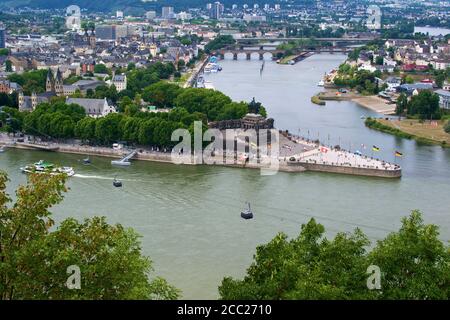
[(167, 13), (254, 18), (120, 82), (183, 16), (150, 15), (119, 15), (444, 99), (93, 107)]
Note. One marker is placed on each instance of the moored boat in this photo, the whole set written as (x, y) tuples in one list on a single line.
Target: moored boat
[(42, 167)]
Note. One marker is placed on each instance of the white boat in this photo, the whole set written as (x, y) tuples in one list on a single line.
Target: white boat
[(120, 163), (321, 83), (43, 167), (2, 149)]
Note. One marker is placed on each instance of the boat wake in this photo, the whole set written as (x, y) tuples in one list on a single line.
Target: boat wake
[(82, 176)]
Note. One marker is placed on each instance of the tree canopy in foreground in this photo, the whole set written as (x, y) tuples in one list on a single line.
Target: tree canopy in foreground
[(414, 264), (34, 260)]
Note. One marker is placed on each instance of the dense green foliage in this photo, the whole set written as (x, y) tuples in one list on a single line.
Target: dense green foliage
[(218, 43), (11, 120), (425, 105), (30, 81), (414, 264), (100, 68), (58, 120), (374, 124), (447, 127), (401, 104), (138, 79), (362, 81), (34, 259), (55, 120)]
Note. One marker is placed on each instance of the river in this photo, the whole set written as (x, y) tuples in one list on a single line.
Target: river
[(432, 31), (188, 216)]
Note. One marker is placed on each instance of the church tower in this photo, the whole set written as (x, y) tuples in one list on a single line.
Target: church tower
[(49, 84), (92, 40), (59, 90)]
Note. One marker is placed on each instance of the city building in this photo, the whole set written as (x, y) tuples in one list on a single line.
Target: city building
[(54, 83), (8, 87), (105, 32), (93, 107), (2, 36), (254, 18), (167, 13), (444, 98), (183, 16), (216, 10), (119, 15), (150, 15), (120, 82)]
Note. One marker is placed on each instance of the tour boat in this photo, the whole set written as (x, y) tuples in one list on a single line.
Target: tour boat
[(47, 168), (247, 213)]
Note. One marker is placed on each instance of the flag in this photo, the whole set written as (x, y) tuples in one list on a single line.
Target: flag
[(375, 148), (398, 154)]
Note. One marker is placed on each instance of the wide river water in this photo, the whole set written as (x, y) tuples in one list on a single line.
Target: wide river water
[(189, 216)]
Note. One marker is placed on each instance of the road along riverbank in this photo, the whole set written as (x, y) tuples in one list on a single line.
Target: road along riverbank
[(295, 155)]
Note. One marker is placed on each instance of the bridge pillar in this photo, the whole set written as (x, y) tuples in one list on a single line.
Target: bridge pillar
[(261, 56), (249, 56), (261, 48), (235, 55)]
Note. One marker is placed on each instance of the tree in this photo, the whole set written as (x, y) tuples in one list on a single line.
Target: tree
[(219, 42), (447, 127), (8, 66), (161, 94), (425, 104), (100, 68), (379, 60), (401, 104), (34, 259), (107, 129), (408, 80), (414, 264)]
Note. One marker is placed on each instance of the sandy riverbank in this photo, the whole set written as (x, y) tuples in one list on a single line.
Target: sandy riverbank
[(374, 103)]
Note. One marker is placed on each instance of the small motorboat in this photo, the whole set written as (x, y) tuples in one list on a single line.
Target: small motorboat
[(117, 183), (42, 167), (247, 213), (321, 83), (2, 149), (86, 160)]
